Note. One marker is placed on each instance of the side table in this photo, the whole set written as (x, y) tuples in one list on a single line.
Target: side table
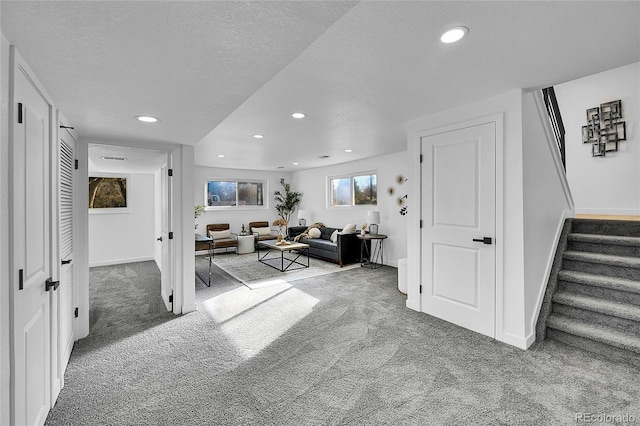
[(200, 240), (374, 251), (246, 244)]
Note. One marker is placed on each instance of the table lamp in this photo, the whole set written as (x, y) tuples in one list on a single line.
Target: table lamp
[(373, 219), (303, 215)]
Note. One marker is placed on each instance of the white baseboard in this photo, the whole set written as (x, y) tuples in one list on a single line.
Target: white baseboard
[(189, 308), (120, 261), (517, 341), (413, 304), (566, 214)]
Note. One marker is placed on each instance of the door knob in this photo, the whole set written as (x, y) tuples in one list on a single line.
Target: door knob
[(484, 240), (159, 238), (49, 283)]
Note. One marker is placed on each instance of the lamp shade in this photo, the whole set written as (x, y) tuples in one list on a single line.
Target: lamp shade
[(303, 215), (373, 216)]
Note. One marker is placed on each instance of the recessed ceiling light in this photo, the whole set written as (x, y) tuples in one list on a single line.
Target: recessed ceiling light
[(220, 156), (454, 34), (348, 150), (298, 115), (147, 119), (295, 164), (258, 136)]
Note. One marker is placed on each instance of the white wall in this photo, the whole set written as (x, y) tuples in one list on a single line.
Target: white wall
[(4, 235), (313, 184), (547, 203), (609, 184), (238, 216), (125, 237), (510, 295)]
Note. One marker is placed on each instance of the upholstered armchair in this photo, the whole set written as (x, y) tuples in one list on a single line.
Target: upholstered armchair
[(222, 236), (261, 231)]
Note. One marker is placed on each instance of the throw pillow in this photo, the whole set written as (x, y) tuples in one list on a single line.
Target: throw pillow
[(349, 228), (262, 231), (334, 236), (216, 235), (314, 233)]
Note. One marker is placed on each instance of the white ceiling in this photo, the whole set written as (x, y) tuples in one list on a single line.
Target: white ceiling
[(216, 73), (123, 159)]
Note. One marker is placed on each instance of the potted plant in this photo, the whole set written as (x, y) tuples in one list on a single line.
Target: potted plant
[(198, 211), (280, 223), (286, 202)]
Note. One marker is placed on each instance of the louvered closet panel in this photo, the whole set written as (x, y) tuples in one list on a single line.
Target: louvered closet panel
[(66, 244)]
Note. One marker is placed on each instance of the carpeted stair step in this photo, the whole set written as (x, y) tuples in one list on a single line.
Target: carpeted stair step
[(602, 264), (625, 228), (594, 304), (610, 288), (605, 244), (607, 335), (605, 341)]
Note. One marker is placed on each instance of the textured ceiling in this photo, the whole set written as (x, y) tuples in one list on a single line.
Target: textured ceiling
[(224, 71), (188, 63), (123, 159)]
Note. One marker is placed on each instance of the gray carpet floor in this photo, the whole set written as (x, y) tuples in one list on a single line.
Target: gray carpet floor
[(335, 349)]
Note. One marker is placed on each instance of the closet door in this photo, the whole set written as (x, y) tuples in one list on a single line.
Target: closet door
[(63, 311), (30, 240)]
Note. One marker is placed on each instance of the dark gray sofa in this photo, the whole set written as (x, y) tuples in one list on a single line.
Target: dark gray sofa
[(346, 250)]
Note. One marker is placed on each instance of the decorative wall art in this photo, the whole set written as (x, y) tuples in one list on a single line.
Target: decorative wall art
[(402, 199), (604, 128), (107, 192)]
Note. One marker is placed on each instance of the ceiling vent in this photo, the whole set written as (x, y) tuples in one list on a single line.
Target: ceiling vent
[(104, 157)]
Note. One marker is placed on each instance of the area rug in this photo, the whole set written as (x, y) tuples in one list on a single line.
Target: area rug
[(249, 271)]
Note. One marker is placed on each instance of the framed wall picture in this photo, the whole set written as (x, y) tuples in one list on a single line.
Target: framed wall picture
[(109, 193)]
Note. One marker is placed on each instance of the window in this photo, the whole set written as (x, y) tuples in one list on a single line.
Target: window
[(354, 190), (232, 193)]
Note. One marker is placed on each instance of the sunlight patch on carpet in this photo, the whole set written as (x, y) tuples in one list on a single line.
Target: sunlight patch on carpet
[(253, 319)]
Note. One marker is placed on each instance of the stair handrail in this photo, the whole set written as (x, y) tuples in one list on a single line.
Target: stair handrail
[(553, 110)]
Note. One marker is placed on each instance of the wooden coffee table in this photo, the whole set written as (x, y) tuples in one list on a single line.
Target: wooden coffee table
[(280, 262)]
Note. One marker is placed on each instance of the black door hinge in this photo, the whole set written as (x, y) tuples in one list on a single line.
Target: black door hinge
[(75, 312), (170, 171), (420, 288), (420, 158), (171, 298), (20, 112), (421, 223), (21, 279), (171, 235), (75, 164)]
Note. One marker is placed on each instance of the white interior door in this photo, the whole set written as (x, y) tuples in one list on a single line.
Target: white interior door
[(30, 240), (458, 204), (64, 309), (166, 272)]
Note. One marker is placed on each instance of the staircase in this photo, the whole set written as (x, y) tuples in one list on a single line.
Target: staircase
[(593, 297)]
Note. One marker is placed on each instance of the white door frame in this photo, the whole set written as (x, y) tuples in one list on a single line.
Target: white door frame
[(498, 119), (19, 67), (81, 285)]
